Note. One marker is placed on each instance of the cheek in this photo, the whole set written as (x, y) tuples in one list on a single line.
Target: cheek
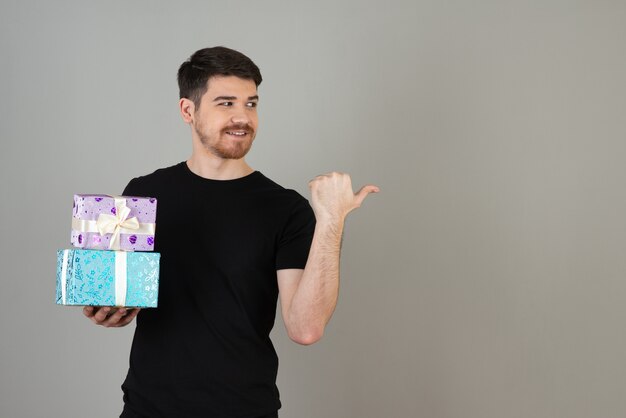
[(211, 125)]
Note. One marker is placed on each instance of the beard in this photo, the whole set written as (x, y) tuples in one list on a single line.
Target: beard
[(226, 148)]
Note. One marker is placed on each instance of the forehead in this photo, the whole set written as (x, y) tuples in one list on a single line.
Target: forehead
[(230, 86)]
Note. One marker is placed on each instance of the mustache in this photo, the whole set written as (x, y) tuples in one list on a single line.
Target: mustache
[(238, 127)]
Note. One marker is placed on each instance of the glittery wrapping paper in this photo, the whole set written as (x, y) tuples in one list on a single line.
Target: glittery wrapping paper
[(89, 206), (90, 278)]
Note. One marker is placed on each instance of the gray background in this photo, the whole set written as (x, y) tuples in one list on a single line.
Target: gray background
[(487, 279)]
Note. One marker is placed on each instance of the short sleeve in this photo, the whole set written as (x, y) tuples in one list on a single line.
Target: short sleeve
[(295, 242)]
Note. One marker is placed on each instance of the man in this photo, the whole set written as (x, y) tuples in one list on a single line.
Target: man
[(231, 241)]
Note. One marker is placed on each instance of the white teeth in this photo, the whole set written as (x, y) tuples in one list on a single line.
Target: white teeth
[(237, 133)]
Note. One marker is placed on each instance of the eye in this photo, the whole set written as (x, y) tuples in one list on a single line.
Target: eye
[(226, 104), (251, 104)]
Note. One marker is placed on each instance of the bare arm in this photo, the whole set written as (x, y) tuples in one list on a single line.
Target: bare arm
[(308, 297)]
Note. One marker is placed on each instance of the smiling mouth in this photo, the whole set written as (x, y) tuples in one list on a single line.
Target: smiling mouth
[(237, 133)]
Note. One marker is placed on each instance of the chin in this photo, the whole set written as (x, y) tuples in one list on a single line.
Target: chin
[(233, 154)]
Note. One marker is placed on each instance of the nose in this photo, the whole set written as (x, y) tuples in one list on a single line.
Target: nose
[(239, 116)]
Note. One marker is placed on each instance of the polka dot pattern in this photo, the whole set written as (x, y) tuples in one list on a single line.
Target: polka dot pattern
[(90, 206)]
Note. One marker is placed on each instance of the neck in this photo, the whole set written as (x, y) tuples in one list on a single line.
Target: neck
[(211, 167)]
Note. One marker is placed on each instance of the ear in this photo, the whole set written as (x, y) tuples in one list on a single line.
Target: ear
[(187, 109)]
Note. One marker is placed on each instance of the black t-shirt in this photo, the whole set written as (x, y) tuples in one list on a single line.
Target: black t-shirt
[(205, 351)]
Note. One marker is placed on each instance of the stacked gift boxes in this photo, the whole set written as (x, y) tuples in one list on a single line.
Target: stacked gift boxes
[(112, 263)]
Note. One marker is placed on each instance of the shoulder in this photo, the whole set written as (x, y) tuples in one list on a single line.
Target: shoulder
[(295, 209), (159, 179), (286, 196)]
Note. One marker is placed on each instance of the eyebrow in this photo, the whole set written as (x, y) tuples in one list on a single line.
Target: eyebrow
[(218, 98)]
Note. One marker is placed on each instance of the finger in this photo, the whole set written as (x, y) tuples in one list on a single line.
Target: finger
[(101, 314), (365, 190), (114, 318), (129, 317), (88, 311), (324, 176), (125, 319), (315, 180)]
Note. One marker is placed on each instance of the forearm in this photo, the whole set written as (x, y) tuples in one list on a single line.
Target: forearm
[(315, 299), (307, 312)]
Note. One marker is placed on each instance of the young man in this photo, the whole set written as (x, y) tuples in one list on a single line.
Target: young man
[(231, 242)]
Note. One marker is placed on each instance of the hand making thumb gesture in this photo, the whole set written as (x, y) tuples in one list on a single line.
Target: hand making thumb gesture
[(333, 197)]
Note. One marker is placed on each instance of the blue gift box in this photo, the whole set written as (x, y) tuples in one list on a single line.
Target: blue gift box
[(107, 278)]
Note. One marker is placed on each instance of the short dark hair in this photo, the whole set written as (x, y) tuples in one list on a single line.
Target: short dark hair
[(194, 73)]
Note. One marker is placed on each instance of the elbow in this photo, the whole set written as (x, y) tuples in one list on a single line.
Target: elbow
[(306, 337)]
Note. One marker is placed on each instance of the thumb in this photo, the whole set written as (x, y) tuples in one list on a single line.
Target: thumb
[(360, 196)]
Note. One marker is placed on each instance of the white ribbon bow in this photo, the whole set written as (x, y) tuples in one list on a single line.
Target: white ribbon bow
[(107, 224)]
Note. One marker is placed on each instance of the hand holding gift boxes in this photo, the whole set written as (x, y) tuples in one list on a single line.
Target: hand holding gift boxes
[(106, 270)]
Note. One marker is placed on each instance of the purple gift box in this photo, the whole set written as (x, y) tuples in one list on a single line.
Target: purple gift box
[(103, 222)]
